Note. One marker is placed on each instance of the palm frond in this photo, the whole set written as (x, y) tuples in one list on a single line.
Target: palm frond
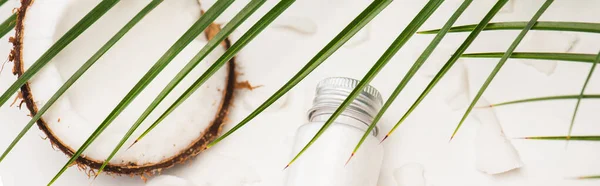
[(574, 57), (83, 24), (81, 71), (503, 60), (359, 22), (540, 25), (209, 47), (461, 49), (547, 98), (179, 45), (413, 70), (404, 36)]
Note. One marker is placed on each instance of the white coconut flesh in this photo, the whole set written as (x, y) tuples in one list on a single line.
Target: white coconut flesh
[(87, 103)]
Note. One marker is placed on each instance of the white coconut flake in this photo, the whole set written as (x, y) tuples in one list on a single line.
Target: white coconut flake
[(252, 99), (168, 180), (458, 94), (359, 38), (301, 25), (411, 174), (508, 7), (494, 153), (538, 41), (210, 166)]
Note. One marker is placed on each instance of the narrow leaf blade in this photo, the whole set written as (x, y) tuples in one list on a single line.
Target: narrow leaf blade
[(547, 98), (503, 60), (542, 25), (574, 57), (587, 80), (577, 138), (8, 25)]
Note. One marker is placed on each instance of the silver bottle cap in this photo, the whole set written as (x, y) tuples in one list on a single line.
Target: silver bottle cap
[(331, 92)]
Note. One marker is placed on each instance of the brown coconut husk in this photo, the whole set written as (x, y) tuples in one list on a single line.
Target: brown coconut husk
[(128, 168)]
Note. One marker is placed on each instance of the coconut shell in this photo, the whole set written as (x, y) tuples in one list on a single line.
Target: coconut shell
[(210, 133)]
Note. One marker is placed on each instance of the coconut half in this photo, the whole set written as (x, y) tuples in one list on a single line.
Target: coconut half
[(84, 106)]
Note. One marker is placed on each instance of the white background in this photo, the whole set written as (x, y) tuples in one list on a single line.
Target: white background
[(257, 153)]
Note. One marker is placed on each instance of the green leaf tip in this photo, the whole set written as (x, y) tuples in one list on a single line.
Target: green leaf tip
[(547, 98), (576, 138), (581, 93)]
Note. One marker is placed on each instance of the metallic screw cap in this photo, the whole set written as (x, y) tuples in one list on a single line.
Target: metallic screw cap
[(331, 92)]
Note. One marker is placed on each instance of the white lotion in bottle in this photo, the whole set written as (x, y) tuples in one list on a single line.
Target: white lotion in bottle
[(323, 164)]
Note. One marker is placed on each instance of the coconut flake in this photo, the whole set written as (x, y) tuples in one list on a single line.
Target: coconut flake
[(209, 168), (168, 180), (301, 25), (458, 95), (252, 99), (538, 41), (494, 153), (412, 174), (508, 7), (359, 38)]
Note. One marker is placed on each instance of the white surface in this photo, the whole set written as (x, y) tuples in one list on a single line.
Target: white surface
[(264, 145)]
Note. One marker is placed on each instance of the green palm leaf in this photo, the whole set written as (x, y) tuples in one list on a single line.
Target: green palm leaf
[(451, 61), (209, 47), (80, 72), (585, 96), (579, 138), (503, 60), (73, 33), (589, 177), (587, 80), (541, 25), (359, 22), (8, 25), (404, 36), (574, 57), (230, 53), (179, 45), (413, 70)]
